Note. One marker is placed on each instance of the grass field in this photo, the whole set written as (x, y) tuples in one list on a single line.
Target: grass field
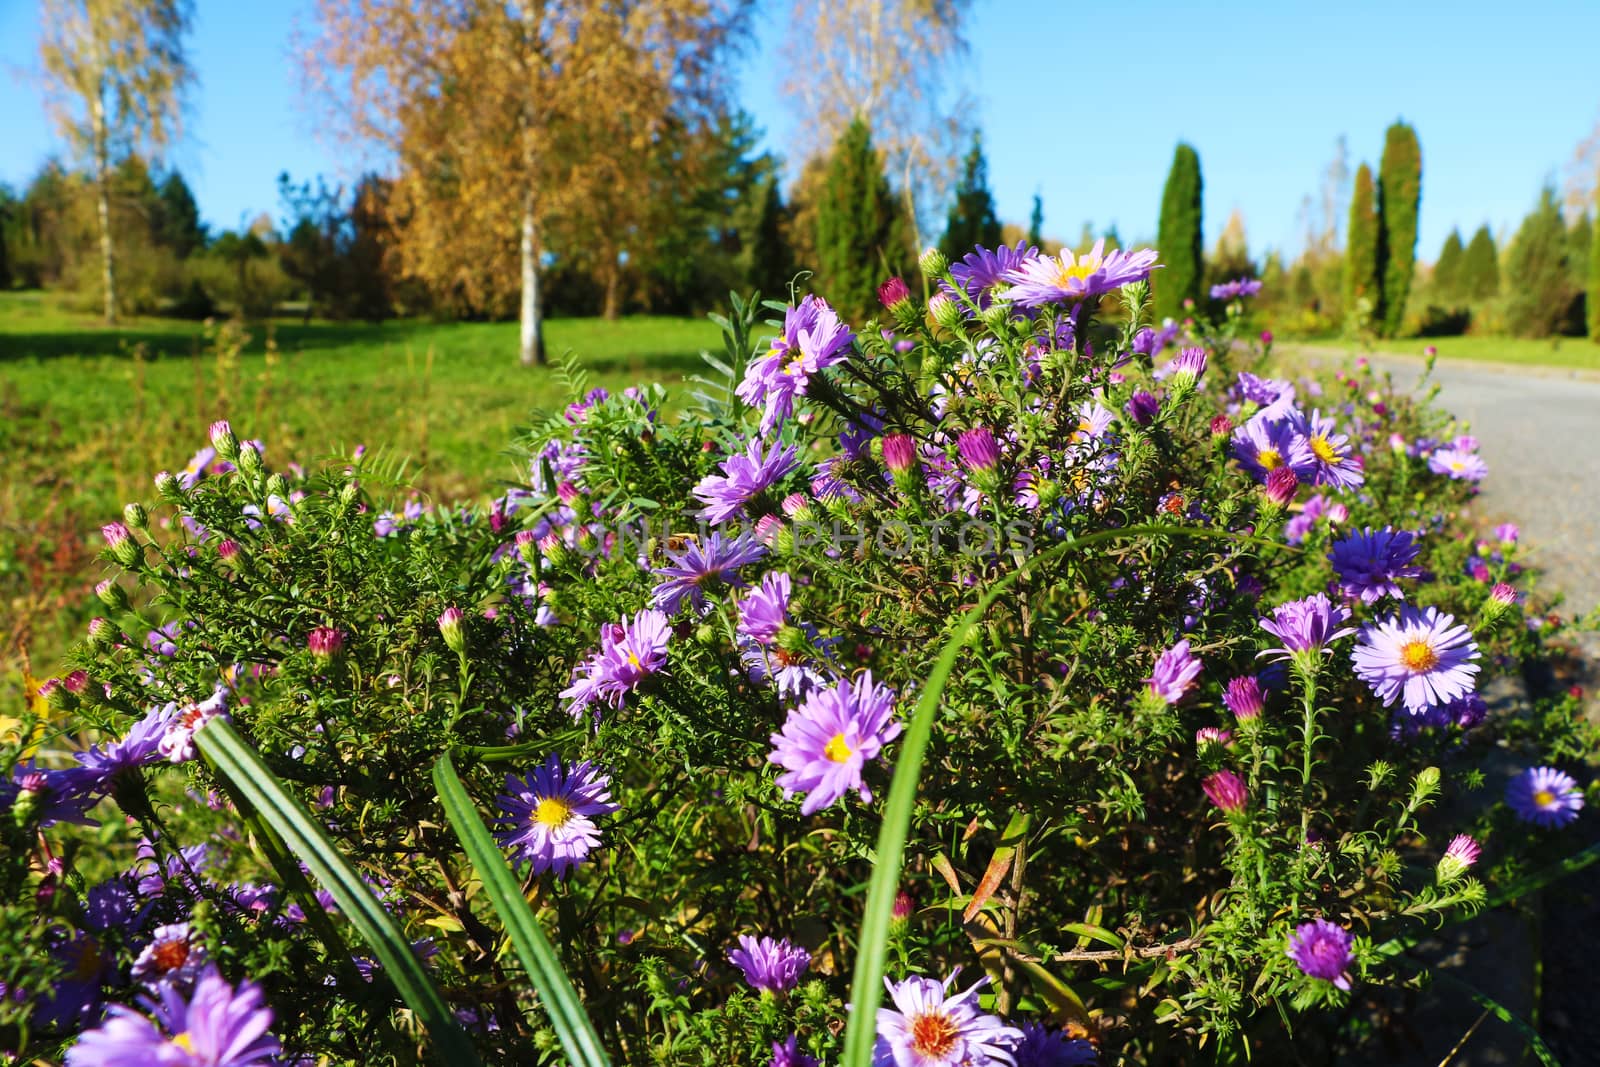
[(1579, 353), (89, 414)]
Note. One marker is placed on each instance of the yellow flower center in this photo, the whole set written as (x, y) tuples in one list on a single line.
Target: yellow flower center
[(837, 748), (1418, 656), (1456, 466), (183, 1041), (633, 659), (552, 813), (1323, 450), (1544, 798), (1068, 276), (796, 366), (933, 1035), (1270, 459)]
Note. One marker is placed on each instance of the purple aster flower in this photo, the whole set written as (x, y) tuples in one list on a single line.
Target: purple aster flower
[(1150, 342), (1189, 364), (1094, 419), (813, 339), (1306, 626), (745, 476), (978, 449), (927, 1027), (1274, 398), (1460, 465), (793, 668), (548, 817), (980, 272), (1371, 562), (1057, 279), (1235, 289), (1420, 656), (766, 609), (1243, 697), (151, 878), (899, 453), (771, 965), (1333, 462), (1460, 857), (703, 564), (177, 742), (140, 747), (1174, 674), (1544, 797), (1226, 790), (629, 653), (217, 1027), (1041, 1046), (826, 484), (826, 741), (788, 1054), (1322, 950), (195, 469), (1265, 445), (1507, 533), (53, 796), (1143, 408), (109, 904), (175, 955)]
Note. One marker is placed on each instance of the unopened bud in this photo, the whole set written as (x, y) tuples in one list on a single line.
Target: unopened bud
[(112, 595), (945, 311), (450, 629), (135, 515), (223, 441), (932, 263), (168, 487), (124, 549), (249, 459), (277, 485), (527, 546), (101, 633)]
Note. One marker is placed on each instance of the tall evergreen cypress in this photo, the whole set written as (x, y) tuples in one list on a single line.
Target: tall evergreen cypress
[(1539, 303), (1579, 238), (1361, 249), (857, 228), (1179, 238), (179, 226), (1594, 285), (972, 219), (1036, 222), (771, 262), (1447, 272), (1480, 267), (1399, 203)]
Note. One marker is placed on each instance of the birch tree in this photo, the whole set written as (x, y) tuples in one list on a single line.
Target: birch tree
[(508, 124), (116, 79)]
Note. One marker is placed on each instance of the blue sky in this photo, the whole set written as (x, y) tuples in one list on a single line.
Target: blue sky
[(1082, 103)]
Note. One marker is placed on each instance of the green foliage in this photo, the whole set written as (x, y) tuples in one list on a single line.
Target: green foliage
[(972, 220), (1480, 267), (772, 265), (1447, 271), (1540, 293), (1593, 290), (1399, 203), (1036, 222), (1580, 238), (178, 224), (860, 227), (1179, 238), (1362, 287)]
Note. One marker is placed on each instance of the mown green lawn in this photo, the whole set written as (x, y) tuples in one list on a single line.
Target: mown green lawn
[(1578, 353), (89, 414)]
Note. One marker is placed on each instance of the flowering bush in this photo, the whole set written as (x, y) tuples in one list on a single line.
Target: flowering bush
[(1005, 681)]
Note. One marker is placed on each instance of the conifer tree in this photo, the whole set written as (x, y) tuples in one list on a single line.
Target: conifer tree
[(857, 227), (1179, 237), (1594, 285), (1539, 303), (1036, 222), (1361, 248), (1447, 271), (972, 220), (1480, 267), (1399, 203), (771, 262)]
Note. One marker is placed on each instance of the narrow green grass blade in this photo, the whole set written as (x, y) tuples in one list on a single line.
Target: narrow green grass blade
[(1506, 1015), (245, 775), (567, 1015)]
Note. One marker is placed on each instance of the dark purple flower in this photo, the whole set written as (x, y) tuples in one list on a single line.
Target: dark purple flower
[(788, 1054), (1143, 408), (1370, 563), (899, 453), (1043, 1047), (978, 450), (745, 476), (981, 271), (1322, 950), (771, 965), (140, 747), (702, 565), (1243, 697)]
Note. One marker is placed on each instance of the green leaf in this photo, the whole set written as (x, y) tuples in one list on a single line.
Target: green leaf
[(247, 778), (567, 1016)]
